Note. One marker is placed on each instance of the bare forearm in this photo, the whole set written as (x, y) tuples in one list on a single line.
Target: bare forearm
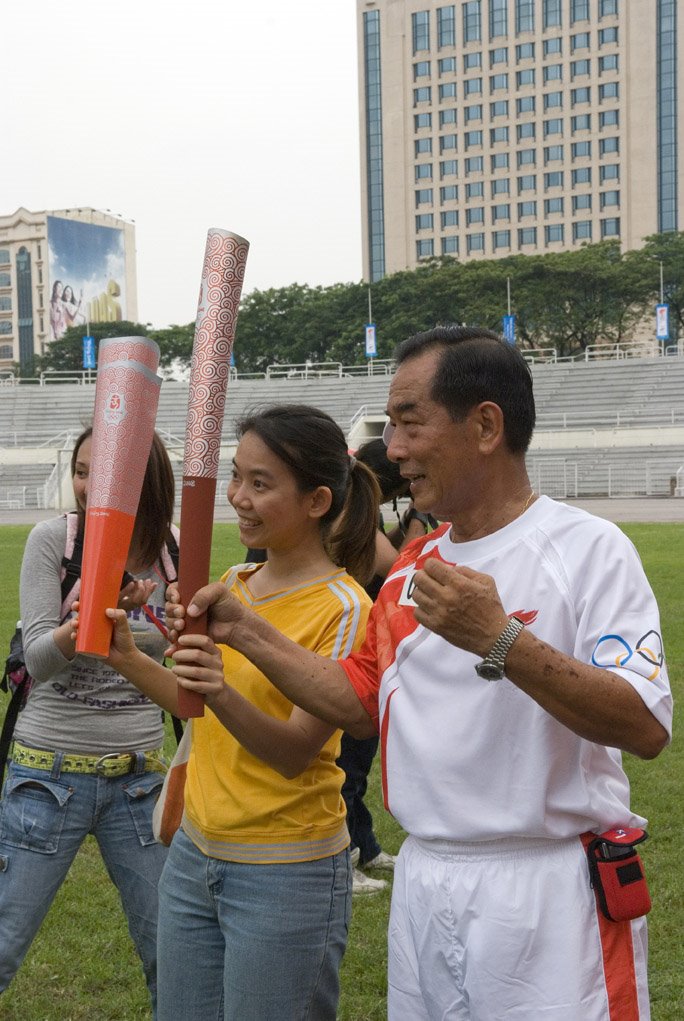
[(152, 678), (595, 704)]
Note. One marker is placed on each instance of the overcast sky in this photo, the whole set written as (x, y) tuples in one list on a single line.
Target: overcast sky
[(240, 114)]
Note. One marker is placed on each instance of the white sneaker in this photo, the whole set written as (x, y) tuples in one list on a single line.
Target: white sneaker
[(382, 861), (363, 884), (354, 856)]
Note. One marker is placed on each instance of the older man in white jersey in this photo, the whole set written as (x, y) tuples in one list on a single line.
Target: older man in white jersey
[(511, 655)]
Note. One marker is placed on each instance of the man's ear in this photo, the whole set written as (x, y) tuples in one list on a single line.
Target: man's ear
[(489, 421), (320, 501)]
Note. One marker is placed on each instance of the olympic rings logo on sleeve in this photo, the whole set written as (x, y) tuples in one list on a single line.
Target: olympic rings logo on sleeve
[(646, 658)]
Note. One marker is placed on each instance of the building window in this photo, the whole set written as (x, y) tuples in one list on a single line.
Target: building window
[(471, 61), (499, 161), (473, 113), (475, 242), (422, 120), (421, 31), (581, 230), (6, 350), (475, 215), (611, 90), (498, 81), (553, 232), (581, 95), (474, 190), (499, 134), (610, 198), (498, 18), (607, 7), (449, 193), (526, 157), (610, 228), (422, 95), (498, 56), (450, 245), (449, 218), (472, 21), (528, 208), (581, 176), (446, 65), (447, 117), (524, 77), (423, 171), (608, 63), (553, 126), (421, 69), (422, 146), (5, 302), (579, 68), (5, 326), (553, 153), (552, 46), (472, 139), (579, 11), (502, 186), (446, 26), (553, 179), (447, 143), (527, 236), (524, 16), (474, 165), (552, 13), (579, 41), (609, 118), (526, 130), (581, 202), (499, 108), (526, 104), (447, 91), (425, 248), (609, 172), (501, 239), (524, 51), (4, 257), (448, 168), (423, 197), (5, 280), (553, 206), (553, 73), (607, 35), (501, 211), (375, 197), (527, 182), (580, 122), (425, 221), (580, 150), (472, 87), (553, 100), (609, 145)]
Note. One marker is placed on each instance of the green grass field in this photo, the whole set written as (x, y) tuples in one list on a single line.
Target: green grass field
[(82, 966)]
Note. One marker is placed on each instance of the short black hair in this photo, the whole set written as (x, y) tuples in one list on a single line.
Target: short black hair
[(373, 453), (477, 365)]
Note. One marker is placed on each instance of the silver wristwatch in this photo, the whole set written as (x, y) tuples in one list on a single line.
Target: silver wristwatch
[(492, 666)]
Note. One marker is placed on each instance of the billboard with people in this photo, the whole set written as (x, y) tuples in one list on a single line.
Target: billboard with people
[(87, 274)]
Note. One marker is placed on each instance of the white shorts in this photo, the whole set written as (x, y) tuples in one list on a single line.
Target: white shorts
[(508, 931)]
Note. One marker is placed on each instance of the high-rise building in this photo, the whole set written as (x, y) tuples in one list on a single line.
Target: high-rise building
[(497, 127), (63, 268)]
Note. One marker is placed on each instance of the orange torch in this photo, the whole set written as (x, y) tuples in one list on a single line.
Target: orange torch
[(222, 276), (126, 399)]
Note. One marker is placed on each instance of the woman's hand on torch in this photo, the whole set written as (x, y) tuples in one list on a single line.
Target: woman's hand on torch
[(223, 611), (198, 665), (136, 593)]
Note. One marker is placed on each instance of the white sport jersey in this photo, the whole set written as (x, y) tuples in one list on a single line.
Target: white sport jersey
[(469, 760)]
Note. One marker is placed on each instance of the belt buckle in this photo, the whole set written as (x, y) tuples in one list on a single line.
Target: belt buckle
[(100, 765)]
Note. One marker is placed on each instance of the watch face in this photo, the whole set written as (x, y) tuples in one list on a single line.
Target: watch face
[(489, 671)]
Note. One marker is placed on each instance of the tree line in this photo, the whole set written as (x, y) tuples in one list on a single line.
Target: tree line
[(565, 300)]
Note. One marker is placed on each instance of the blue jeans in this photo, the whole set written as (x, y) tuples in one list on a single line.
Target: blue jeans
[(356, 759), (244, 942), (44, 818)]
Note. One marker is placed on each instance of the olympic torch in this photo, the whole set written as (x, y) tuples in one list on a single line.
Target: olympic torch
[(222, 277)]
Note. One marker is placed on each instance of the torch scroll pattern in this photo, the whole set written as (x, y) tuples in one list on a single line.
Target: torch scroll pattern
[(222, 276)]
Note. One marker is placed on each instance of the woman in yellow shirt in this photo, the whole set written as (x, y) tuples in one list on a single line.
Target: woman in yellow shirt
[(255, 898)]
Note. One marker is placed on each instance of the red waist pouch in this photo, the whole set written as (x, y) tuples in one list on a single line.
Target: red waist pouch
[(617, 873)]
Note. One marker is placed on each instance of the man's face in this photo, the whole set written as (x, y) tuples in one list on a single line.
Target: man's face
[(438, 456)]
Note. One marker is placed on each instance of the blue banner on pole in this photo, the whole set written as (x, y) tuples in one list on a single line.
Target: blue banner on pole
[(88, 352), (662, 322), (509, 329), (371, 346)]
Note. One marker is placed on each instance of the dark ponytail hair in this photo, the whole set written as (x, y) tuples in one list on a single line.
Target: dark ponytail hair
[(312, 446)]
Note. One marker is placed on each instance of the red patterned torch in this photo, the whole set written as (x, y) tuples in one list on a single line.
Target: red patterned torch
[(222, 276), (126, 399)]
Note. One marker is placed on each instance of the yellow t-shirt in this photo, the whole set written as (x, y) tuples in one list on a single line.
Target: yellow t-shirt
[(237, 808)]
